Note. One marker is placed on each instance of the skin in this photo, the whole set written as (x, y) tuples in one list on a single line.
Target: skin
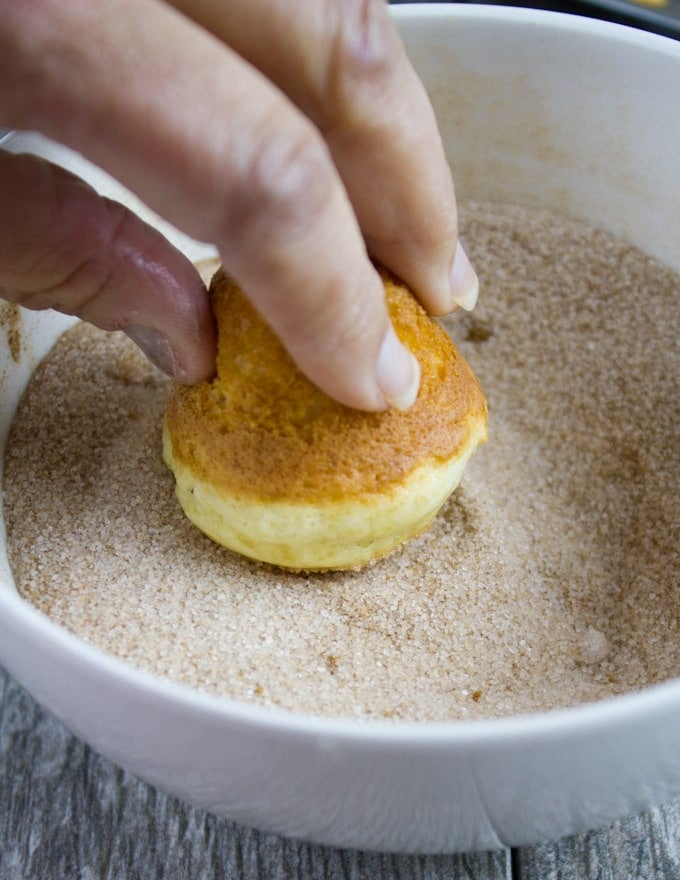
[(298, 144)]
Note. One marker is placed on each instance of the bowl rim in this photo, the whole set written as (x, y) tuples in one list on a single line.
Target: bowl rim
[(525, 15)]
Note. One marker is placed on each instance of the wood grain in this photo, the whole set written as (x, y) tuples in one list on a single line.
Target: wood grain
[(643, 847)]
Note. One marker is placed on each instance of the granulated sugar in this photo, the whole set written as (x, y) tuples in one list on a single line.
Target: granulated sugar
[(551, 577)]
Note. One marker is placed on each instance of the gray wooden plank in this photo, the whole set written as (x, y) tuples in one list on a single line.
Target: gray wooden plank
[(641, 847), (66, 813)]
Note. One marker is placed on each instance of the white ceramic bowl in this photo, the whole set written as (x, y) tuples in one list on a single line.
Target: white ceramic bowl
[(536, 108)]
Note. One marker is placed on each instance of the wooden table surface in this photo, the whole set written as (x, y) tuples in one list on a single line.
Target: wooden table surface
[(66, 813)]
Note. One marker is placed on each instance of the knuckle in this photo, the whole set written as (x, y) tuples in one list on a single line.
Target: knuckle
[(289, 185), (86, 272), (364, 52), (75, 292), (84, 292), (94, 273)]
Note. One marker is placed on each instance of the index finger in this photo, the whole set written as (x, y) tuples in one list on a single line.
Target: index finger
[(211, 145), (345, 66)]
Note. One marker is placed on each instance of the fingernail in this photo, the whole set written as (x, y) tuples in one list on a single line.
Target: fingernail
[(156, 347), (464, 281), (398, 373)]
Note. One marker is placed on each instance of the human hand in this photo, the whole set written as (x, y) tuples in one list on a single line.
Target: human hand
[(294, 142)]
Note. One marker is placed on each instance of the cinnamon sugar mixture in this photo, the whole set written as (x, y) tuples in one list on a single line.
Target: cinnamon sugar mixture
[(551, 577)]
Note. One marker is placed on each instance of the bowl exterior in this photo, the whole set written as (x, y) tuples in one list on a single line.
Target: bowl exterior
[(536, 108)]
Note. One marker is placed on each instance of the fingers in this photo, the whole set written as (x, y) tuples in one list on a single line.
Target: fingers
[(64, 247), (210, 144), (344, 66)]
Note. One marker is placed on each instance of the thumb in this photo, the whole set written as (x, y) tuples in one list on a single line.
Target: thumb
[(62, 246)]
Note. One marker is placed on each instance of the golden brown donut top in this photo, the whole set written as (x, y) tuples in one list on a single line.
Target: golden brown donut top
[(261, 429)]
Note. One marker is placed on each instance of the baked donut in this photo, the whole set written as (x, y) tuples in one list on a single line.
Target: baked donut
[(268, 465)]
